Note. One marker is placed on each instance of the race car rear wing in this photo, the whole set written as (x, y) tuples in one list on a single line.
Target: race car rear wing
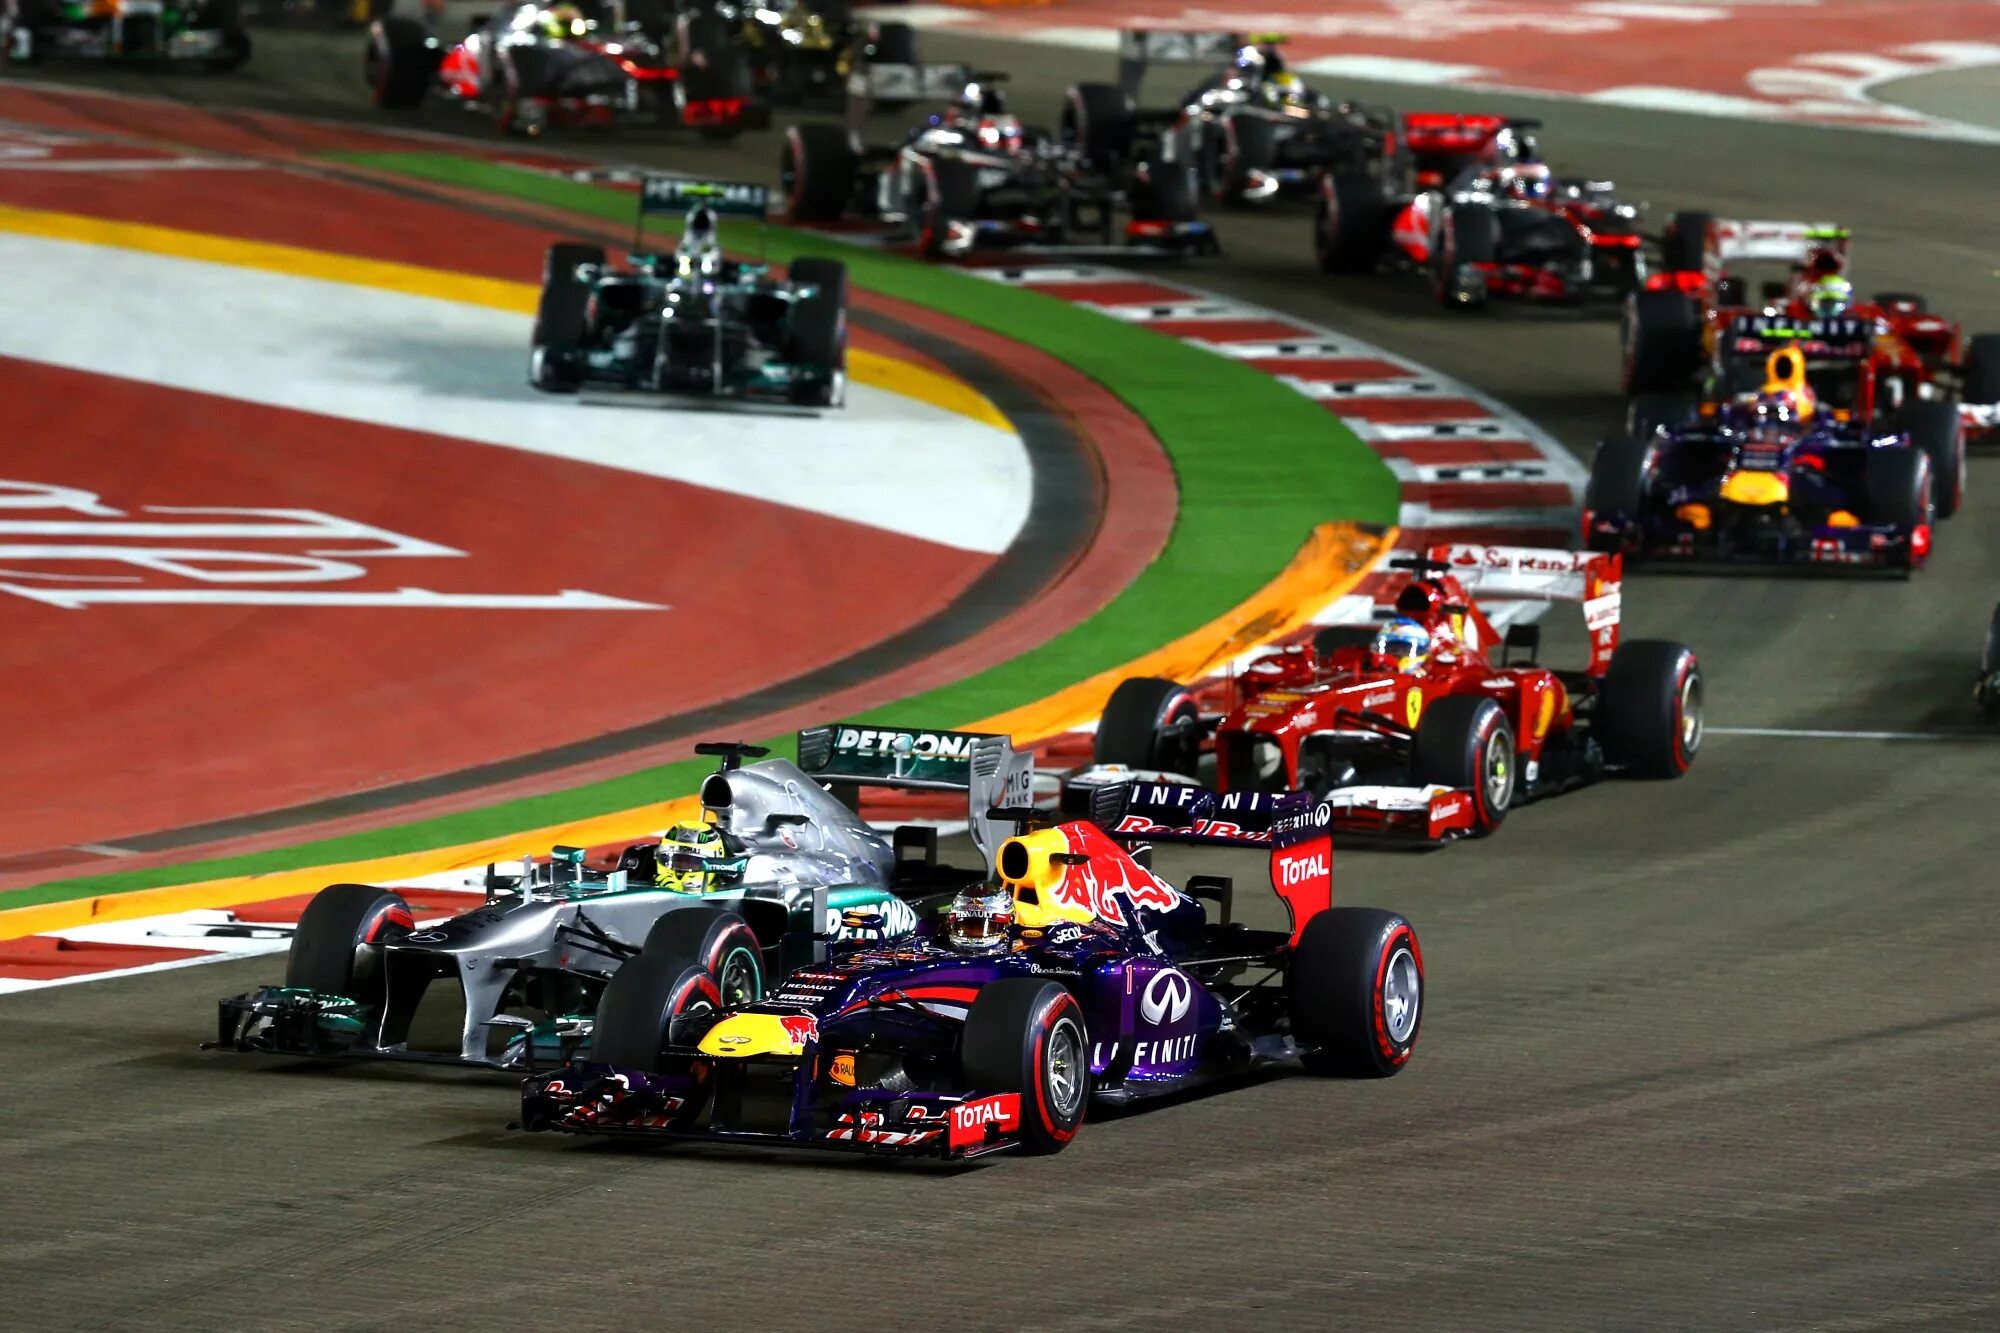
[(871, 82), (982, 765), (1139, 48), (1591, 579), (678, 195), (1773, 242)]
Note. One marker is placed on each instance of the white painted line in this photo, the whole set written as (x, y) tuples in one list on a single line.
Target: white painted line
[(1327, 391), (1464, 429), (1147, 314), (1409, 472), (1046, 275), (1304, 350), (1416, 516), (1392, 69), (1807, 734)]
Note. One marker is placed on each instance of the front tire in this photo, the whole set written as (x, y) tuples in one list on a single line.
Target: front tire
[(1355, 988), (818, 333), (1150, 723), (1649, 709), (1027, 1036), (1466, 743), (1933, 427), (816, 172), (1350, 223), (401, 63), (1470, 235), (641, 1003), (561, 317), (335, 948)]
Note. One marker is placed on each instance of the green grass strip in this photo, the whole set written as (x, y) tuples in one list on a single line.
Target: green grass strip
[(1258, 465)]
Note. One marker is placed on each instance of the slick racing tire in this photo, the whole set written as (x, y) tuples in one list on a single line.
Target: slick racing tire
[(712, 67), (401, 63), (1355, 989), (1100, 121), (559, 319), (635, 1017), (1027, 1035), (1469, 234), (1981, 383), (948, 192), (816, 172), (889, 44), (1621, 476), (716, 939), (1235, 147), (1350, 222), (1684, 244), (1934, 427), (1661, 341), (818, 332), (1649, 709), (1165, 192), (1900, 491), (1465, 742), (335, 945), (25, 26), (1150, 723), (1649, 411), (1986, 694), (226, 18)]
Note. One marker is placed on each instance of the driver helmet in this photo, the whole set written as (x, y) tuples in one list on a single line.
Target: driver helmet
[(1830, 295), (978, 919), (700, 251), (1514, 144), (1286, 88), (1405, 643), (560, 21), (1526, 180), (685, 860), (1002, 133)]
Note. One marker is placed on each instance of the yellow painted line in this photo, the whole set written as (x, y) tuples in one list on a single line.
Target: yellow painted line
[(1330, 564), (874, 369)]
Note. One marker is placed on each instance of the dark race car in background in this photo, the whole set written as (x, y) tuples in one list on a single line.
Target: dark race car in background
[(693, 323), (1470, 204), (208, 33), (532, 66), (1774, 476), (1917, 371), (798, 870), (1253, 130), (1422, 753), (972, 177), (1110, 986)]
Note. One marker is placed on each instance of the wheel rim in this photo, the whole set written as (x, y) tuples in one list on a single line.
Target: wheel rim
[(1065, 1068), (1497, 772), (1689, 704), (739, 981), (1402, 995)]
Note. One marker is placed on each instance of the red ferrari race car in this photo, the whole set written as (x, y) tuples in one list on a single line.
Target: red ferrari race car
[(534, 65), (1427, 728), (1470, 203), (1919, 371)]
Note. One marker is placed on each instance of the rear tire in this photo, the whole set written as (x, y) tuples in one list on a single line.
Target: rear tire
[(716, 940), (1100, 121), (1981, 384), (816, 172), (1649, 710), (1465, 742), (401, 63), (1350, 223), (1661, 341), (1027, 1036), (560, 318), (1355, 988), (1240, 145), (1684, 247), (334, 946), (1168, 192), (818, 333), (1149, 723)]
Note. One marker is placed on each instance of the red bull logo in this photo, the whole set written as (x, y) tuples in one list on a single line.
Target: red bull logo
[(799, 1028)]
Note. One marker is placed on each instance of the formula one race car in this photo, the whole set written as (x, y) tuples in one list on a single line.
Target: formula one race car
[(804, 50), (1681, 333), (1482, 215), (204, 32), (973, 177), (692, 322), (1774, 476), (1081, 976), (779, 867), (1427, 729), (1254, 130), (534, 65)]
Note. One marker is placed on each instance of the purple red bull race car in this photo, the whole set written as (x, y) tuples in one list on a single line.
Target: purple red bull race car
[(1079, 976)]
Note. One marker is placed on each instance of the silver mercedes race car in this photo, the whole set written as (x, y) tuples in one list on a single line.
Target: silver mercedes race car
[(780, 866)]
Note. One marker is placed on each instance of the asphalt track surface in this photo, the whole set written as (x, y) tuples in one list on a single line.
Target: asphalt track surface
[(1718, 1053)]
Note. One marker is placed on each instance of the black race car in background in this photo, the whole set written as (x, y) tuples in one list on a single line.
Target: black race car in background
[(1254, 131), (208, 33), (534, 65), (972, 177), (1472, 206), (1986, 693), (692, 323)]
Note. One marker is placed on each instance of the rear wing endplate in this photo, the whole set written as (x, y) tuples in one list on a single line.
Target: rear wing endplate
[(870, 82), (1140, 47), (982, 765)]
